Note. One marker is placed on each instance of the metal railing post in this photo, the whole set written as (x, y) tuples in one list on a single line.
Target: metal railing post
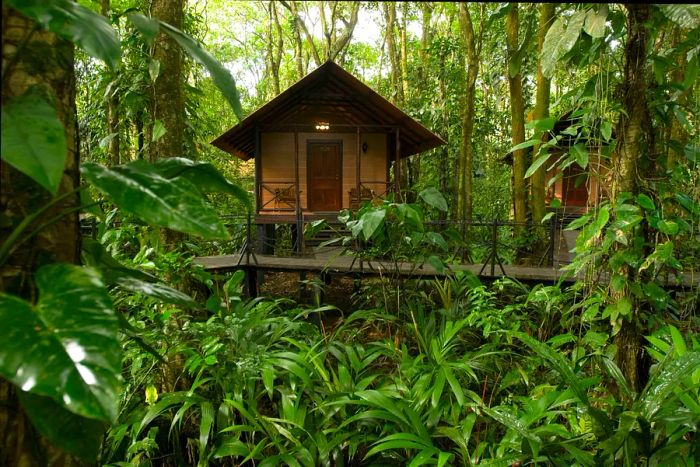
[(494, 247), (552, 241)]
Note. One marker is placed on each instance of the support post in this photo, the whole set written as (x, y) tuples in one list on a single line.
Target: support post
[(358, 182), (251, 278), (258, 172), (299, 243), (552, 235), (397, 166), (494, 247)]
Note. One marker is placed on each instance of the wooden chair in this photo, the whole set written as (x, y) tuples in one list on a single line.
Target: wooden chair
[(287, 195), (365, 195)]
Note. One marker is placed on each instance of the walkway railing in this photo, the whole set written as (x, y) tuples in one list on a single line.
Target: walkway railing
[(491, 243)]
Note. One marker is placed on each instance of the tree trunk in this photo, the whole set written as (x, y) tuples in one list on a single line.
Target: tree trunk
[(168, 100), (466, 166), (517, 112), (392, 51), (537, 181), (298, 49), (632, 135), (23, 47), (112, 105), (275, 48), (678, 134)]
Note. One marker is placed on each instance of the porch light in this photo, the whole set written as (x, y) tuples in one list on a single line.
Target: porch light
[(322, 126)]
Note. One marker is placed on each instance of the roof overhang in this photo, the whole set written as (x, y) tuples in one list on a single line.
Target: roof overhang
[(329, 94)]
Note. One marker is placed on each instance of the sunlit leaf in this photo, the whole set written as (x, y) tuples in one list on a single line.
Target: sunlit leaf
[(433, 198), (524, 145), (33, 140), (159, 131), (148, 27), (670, 374), (138, 189), (539, 162), (203, 175), (686, 16), (154, 69), (66, 346), (595, 21), (371, 221), (559, 40), (220, 75)]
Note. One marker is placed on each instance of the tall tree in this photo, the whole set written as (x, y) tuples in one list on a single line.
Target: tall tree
[(298, 45), (168, 104), (517, 112), (537, 181), (334, 41), (112, 98), (393, 52), (633, 135), (275, 47), (472, 43), (36, 62)]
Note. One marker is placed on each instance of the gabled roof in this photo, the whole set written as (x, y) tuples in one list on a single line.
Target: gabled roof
[(329, 94)]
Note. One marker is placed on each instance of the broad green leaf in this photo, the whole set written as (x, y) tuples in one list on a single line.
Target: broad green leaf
[(156, 290), (138, 189), (154, 69), (203, 175), (686, 16), (148, 27), (543, 124), (559, 40), (66, 346), (159, 131), (371, 221), (33, 140), (536, 165), (668, 227), (595, 21), (76, 435), (205, 425), (433, 198), (69, 20), (646, 202), (578, 223), (670, 374), (220, 75), (679, 345), (691, 73), (606, 130), (525, 144), (580, 153)]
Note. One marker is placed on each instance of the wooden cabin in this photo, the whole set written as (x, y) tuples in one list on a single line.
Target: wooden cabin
[(325, 144), (575, 188)]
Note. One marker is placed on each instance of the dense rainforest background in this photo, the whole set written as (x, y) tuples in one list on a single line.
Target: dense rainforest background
[(118, 349)]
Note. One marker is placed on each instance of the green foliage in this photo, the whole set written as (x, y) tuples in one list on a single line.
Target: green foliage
[(141, 190), (64, 353), (75, 23), (33, 140)]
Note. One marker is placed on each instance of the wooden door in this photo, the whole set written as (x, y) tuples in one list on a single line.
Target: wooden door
[(324, 176), (575, 187)]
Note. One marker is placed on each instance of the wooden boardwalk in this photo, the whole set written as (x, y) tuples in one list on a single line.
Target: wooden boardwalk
[(340, 264)]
